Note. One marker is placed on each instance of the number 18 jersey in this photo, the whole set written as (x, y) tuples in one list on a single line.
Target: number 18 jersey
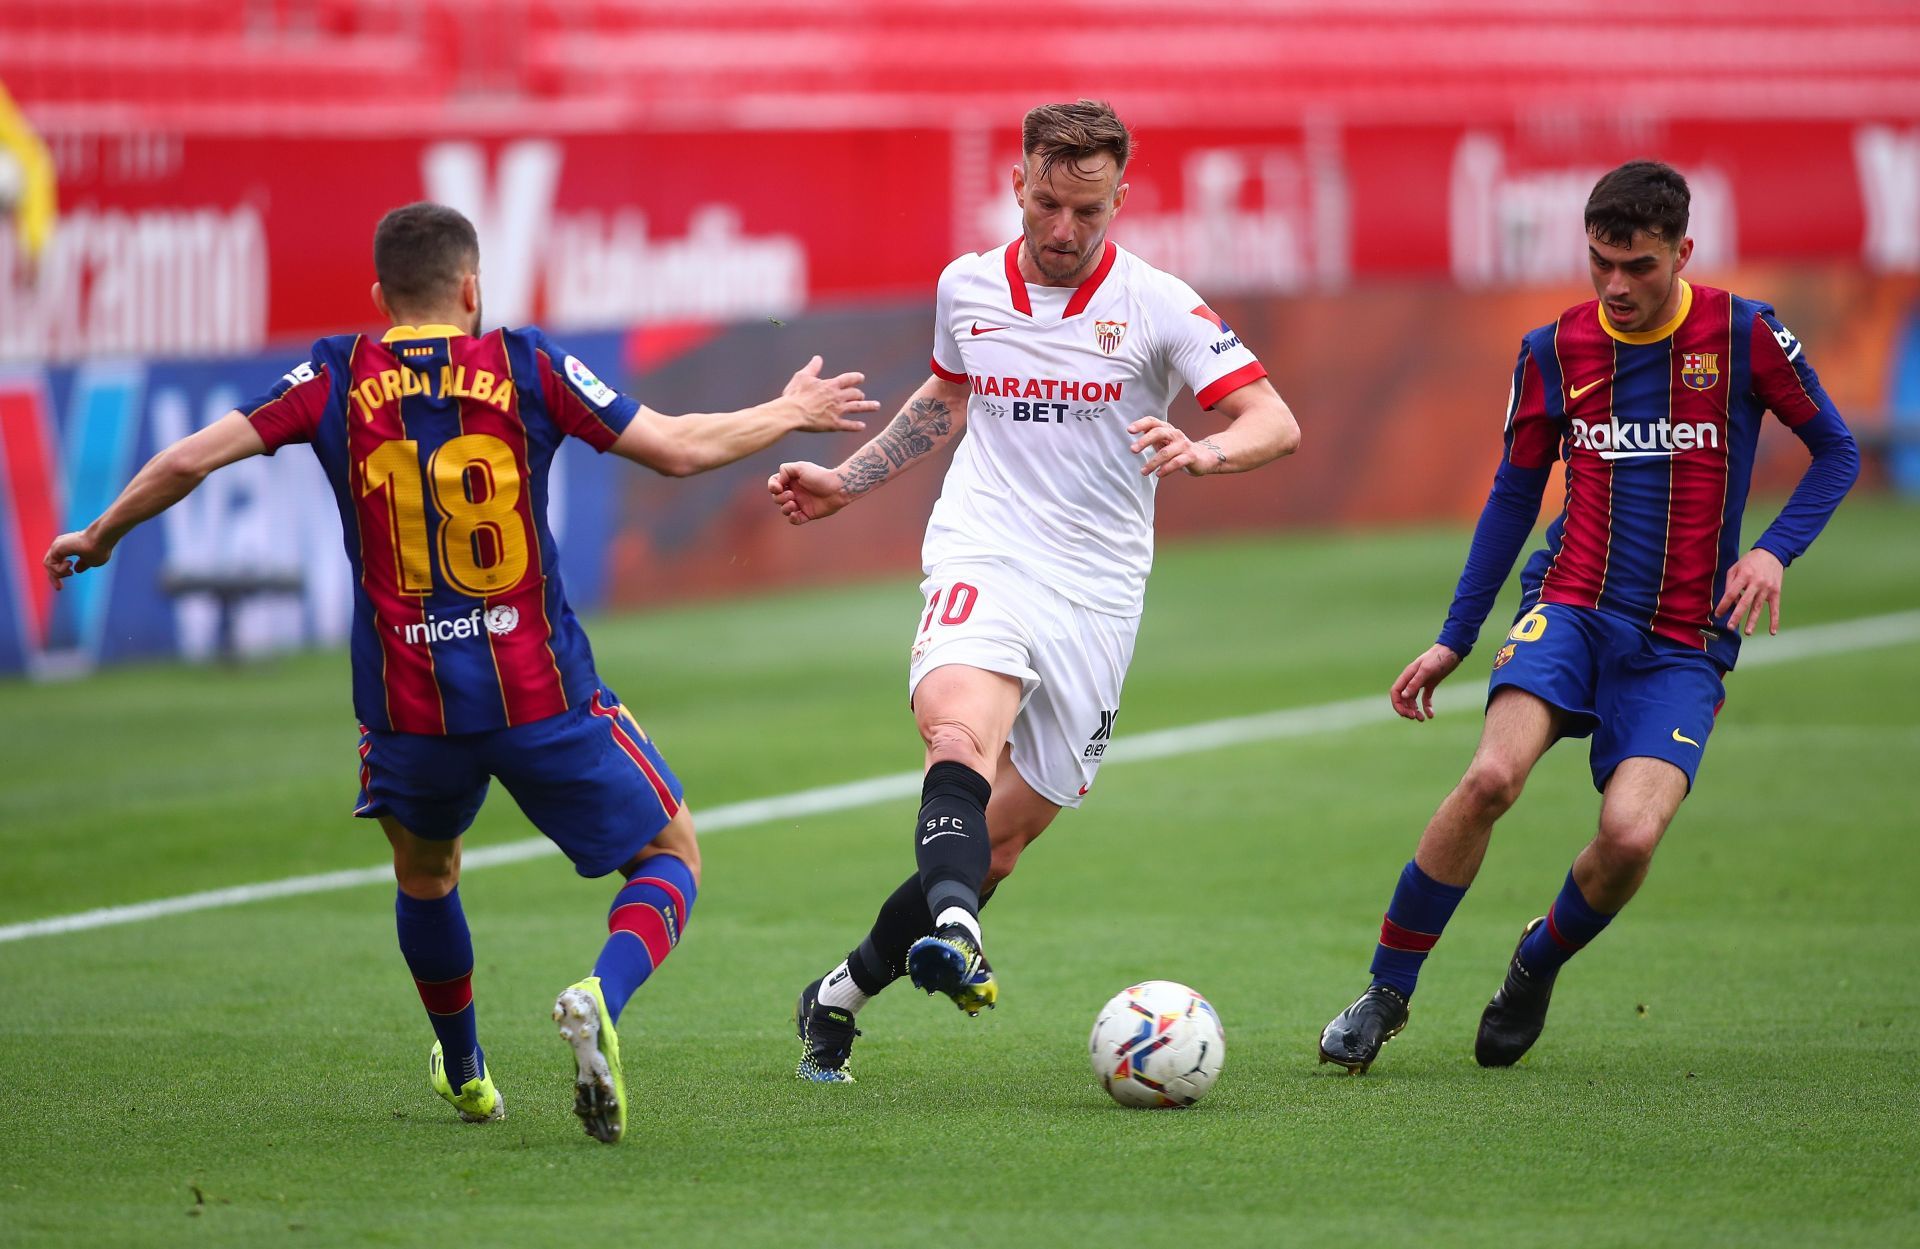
[(438, 446)]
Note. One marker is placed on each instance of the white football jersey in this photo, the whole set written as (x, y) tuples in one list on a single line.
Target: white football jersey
[(1044, 476)]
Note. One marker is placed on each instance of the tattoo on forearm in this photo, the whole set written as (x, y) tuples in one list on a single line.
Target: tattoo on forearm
[(1211, 445), (913, 433)]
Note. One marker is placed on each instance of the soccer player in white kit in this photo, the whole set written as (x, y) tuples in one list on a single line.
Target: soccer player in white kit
[(1061, 351)]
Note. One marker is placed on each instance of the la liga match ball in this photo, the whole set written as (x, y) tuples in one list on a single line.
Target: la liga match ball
[(1157, 1044)]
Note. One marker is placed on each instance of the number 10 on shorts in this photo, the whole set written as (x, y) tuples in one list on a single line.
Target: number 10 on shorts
[(960, 598)]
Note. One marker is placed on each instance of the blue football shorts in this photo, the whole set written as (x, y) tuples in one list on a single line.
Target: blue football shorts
[(589, 778), (1636, 694)]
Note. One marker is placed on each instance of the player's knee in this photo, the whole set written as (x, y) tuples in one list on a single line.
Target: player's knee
[(1493, 785), (676, 839), (1005, 857), (426, 878), (952, 741), (1627, 841), (1008, 845)]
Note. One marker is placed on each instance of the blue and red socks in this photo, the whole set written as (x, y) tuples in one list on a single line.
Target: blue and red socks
[(439, 952), (1571, 923), (1414, 920), (647, 918)]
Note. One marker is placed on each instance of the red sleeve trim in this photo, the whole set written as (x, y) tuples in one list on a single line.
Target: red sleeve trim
[(947, 375), (1220, 388)]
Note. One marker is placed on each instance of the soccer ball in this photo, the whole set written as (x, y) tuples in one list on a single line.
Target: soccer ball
[(1157, 1043)]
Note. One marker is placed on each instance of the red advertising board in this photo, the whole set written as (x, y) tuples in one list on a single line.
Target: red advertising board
[(219, 244)]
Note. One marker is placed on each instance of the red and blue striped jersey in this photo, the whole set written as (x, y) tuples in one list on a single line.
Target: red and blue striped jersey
[(438, 446), (1658, 430)]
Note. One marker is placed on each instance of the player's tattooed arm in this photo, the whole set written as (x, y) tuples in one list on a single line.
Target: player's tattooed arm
[(921, 427), (933, 417)]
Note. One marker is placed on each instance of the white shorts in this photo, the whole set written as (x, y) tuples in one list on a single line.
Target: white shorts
[(1070, 661)]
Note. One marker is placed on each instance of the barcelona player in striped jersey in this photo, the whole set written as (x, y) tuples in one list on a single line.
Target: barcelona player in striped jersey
[(468, 664), (1653, 394)]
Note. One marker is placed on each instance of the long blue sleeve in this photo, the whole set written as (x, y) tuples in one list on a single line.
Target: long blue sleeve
[(1505, 523), (1835, 467)]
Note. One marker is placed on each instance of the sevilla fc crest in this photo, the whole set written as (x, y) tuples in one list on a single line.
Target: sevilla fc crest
[(1108, 334), (1699, 369)]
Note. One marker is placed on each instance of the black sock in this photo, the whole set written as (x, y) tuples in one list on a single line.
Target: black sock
[(881, 958), (950, 838)]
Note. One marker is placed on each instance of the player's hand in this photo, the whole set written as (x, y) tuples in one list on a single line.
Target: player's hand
[(825, 402), (1751, 583), (805, 492), (1417, 680), (74, 553), (1169, 450)]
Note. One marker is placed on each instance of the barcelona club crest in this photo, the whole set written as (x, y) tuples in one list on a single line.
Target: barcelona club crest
[(1699, 369), (1109, 334)]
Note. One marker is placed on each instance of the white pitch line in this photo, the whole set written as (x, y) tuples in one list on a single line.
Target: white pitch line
[(1832, 639)]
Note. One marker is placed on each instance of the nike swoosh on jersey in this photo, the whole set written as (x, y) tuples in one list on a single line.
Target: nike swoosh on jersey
[(990, 329), (1574, 392), (1678, 736), (947, 833)]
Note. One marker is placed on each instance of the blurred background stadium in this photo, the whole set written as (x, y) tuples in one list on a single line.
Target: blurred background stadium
[(1380, 195)]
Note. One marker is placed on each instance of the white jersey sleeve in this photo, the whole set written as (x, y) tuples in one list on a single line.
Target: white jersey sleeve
[(947, 363), (1203, 349)]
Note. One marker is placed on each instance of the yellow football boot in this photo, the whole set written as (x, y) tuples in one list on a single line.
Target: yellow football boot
[(477, 1101), (599, 1092)]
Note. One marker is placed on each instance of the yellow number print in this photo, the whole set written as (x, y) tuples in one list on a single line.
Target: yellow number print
[(475, 481), (394, 466), (1529, 627), (476, 485)]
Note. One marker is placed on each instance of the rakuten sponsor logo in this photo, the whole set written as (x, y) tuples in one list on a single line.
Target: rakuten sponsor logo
[(495, 620), (170, 282), (1661, 438)]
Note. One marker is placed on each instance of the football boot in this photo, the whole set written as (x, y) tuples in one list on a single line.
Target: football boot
[(950, 962), (599, 1091), (1354, 1038), (1513, 1019), (826, 1039), (477, 1101)]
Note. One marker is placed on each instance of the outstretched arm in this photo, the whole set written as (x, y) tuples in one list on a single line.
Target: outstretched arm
[(166, 479), (680, 446), (931, 419)]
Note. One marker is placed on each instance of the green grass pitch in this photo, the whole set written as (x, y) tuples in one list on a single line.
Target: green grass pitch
[(1734, 1063)]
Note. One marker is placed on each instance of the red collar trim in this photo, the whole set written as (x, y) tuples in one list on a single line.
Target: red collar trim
[(1082, 295), (1017, 285)]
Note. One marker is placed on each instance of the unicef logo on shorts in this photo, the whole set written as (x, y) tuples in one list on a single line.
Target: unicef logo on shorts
[(503, 619)]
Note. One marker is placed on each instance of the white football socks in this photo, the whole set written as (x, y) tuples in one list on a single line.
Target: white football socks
[(838, 989)]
